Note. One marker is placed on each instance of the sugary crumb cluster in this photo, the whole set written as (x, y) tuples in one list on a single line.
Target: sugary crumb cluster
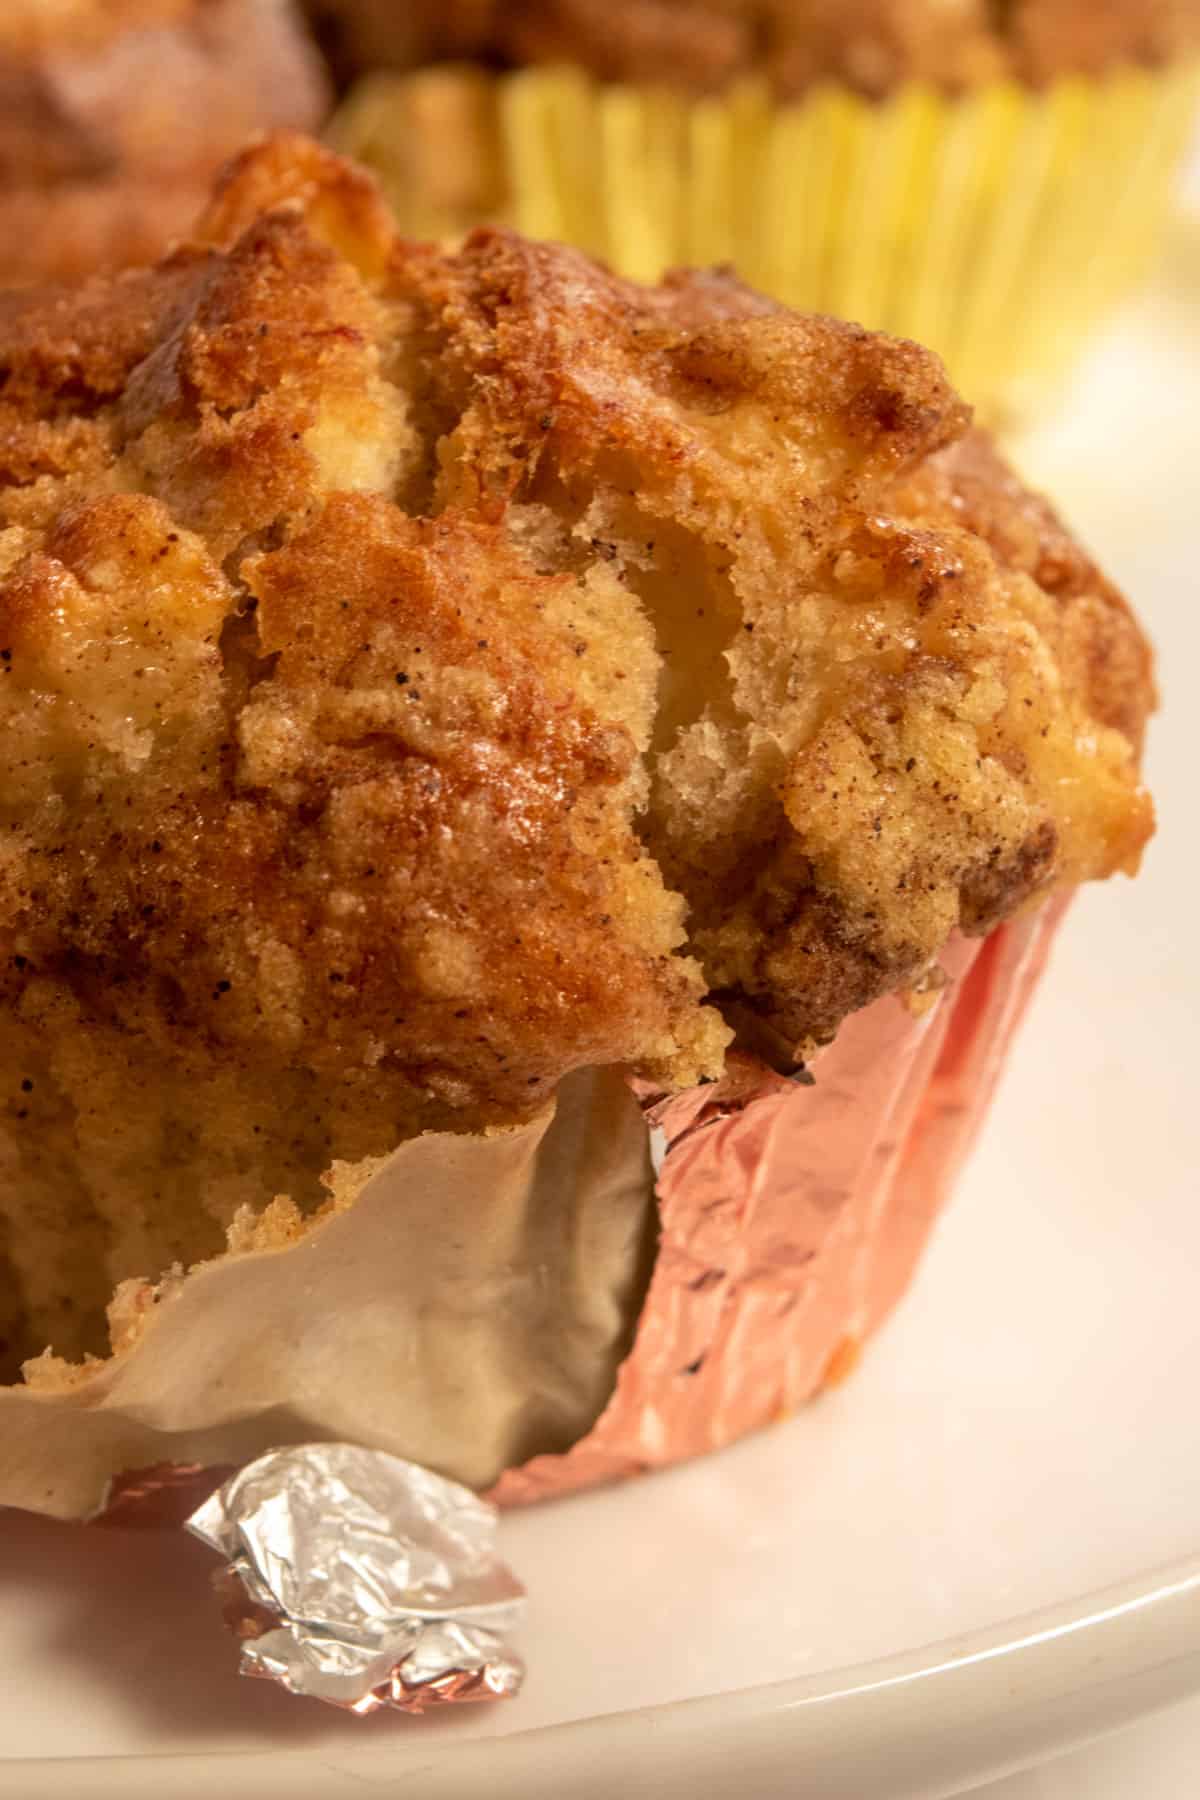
[(425, 674)]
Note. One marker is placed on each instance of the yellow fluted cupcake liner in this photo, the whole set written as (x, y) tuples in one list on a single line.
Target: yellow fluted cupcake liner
[(433, 141), (997, 227)]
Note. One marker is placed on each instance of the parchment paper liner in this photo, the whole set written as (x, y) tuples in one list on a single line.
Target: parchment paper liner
[(418, 1316)]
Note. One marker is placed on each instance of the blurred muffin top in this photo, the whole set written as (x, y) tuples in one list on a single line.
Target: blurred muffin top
[(115, 114), (460, 668), (33, 26), (367, 34), (705, 44)]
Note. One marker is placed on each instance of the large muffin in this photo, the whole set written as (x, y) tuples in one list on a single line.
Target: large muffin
[(116, 114), (426, 676)]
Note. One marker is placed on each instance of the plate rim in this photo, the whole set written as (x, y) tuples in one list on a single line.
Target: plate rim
[(950, 1715)]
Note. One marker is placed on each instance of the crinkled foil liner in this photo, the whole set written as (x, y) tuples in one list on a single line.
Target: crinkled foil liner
[(363, 1580), (791, 1222), (996, 227)]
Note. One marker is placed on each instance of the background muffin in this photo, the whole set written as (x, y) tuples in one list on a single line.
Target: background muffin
[(985, 180), (871, 45), (114, 118), (371, 34)]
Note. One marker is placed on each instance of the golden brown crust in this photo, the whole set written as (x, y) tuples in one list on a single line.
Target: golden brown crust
[(690, 453), (405, 699), (422, 675), (865, 740), (113, 121), (1053, 36), (972, 487), (704, 44)]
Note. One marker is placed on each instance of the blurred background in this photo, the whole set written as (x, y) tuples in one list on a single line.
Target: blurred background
[(991, 179)]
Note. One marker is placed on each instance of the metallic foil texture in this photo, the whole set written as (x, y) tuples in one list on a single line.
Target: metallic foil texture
[(793, 1216), (791, 1220), (363, 1580)]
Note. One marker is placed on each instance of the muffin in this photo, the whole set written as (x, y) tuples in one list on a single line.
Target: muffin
[(987, 180), (458, 708), (116, 114)]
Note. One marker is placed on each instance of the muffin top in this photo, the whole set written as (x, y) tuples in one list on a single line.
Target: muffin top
[(705, 44), (462, 668), (29, 27), (368, 34)]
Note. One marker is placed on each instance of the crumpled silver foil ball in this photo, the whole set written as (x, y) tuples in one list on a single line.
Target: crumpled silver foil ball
[(363, 1580)]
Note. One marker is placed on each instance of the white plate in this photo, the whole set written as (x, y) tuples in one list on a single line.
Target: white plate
[(1156, 1757), (1024, 1434)]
